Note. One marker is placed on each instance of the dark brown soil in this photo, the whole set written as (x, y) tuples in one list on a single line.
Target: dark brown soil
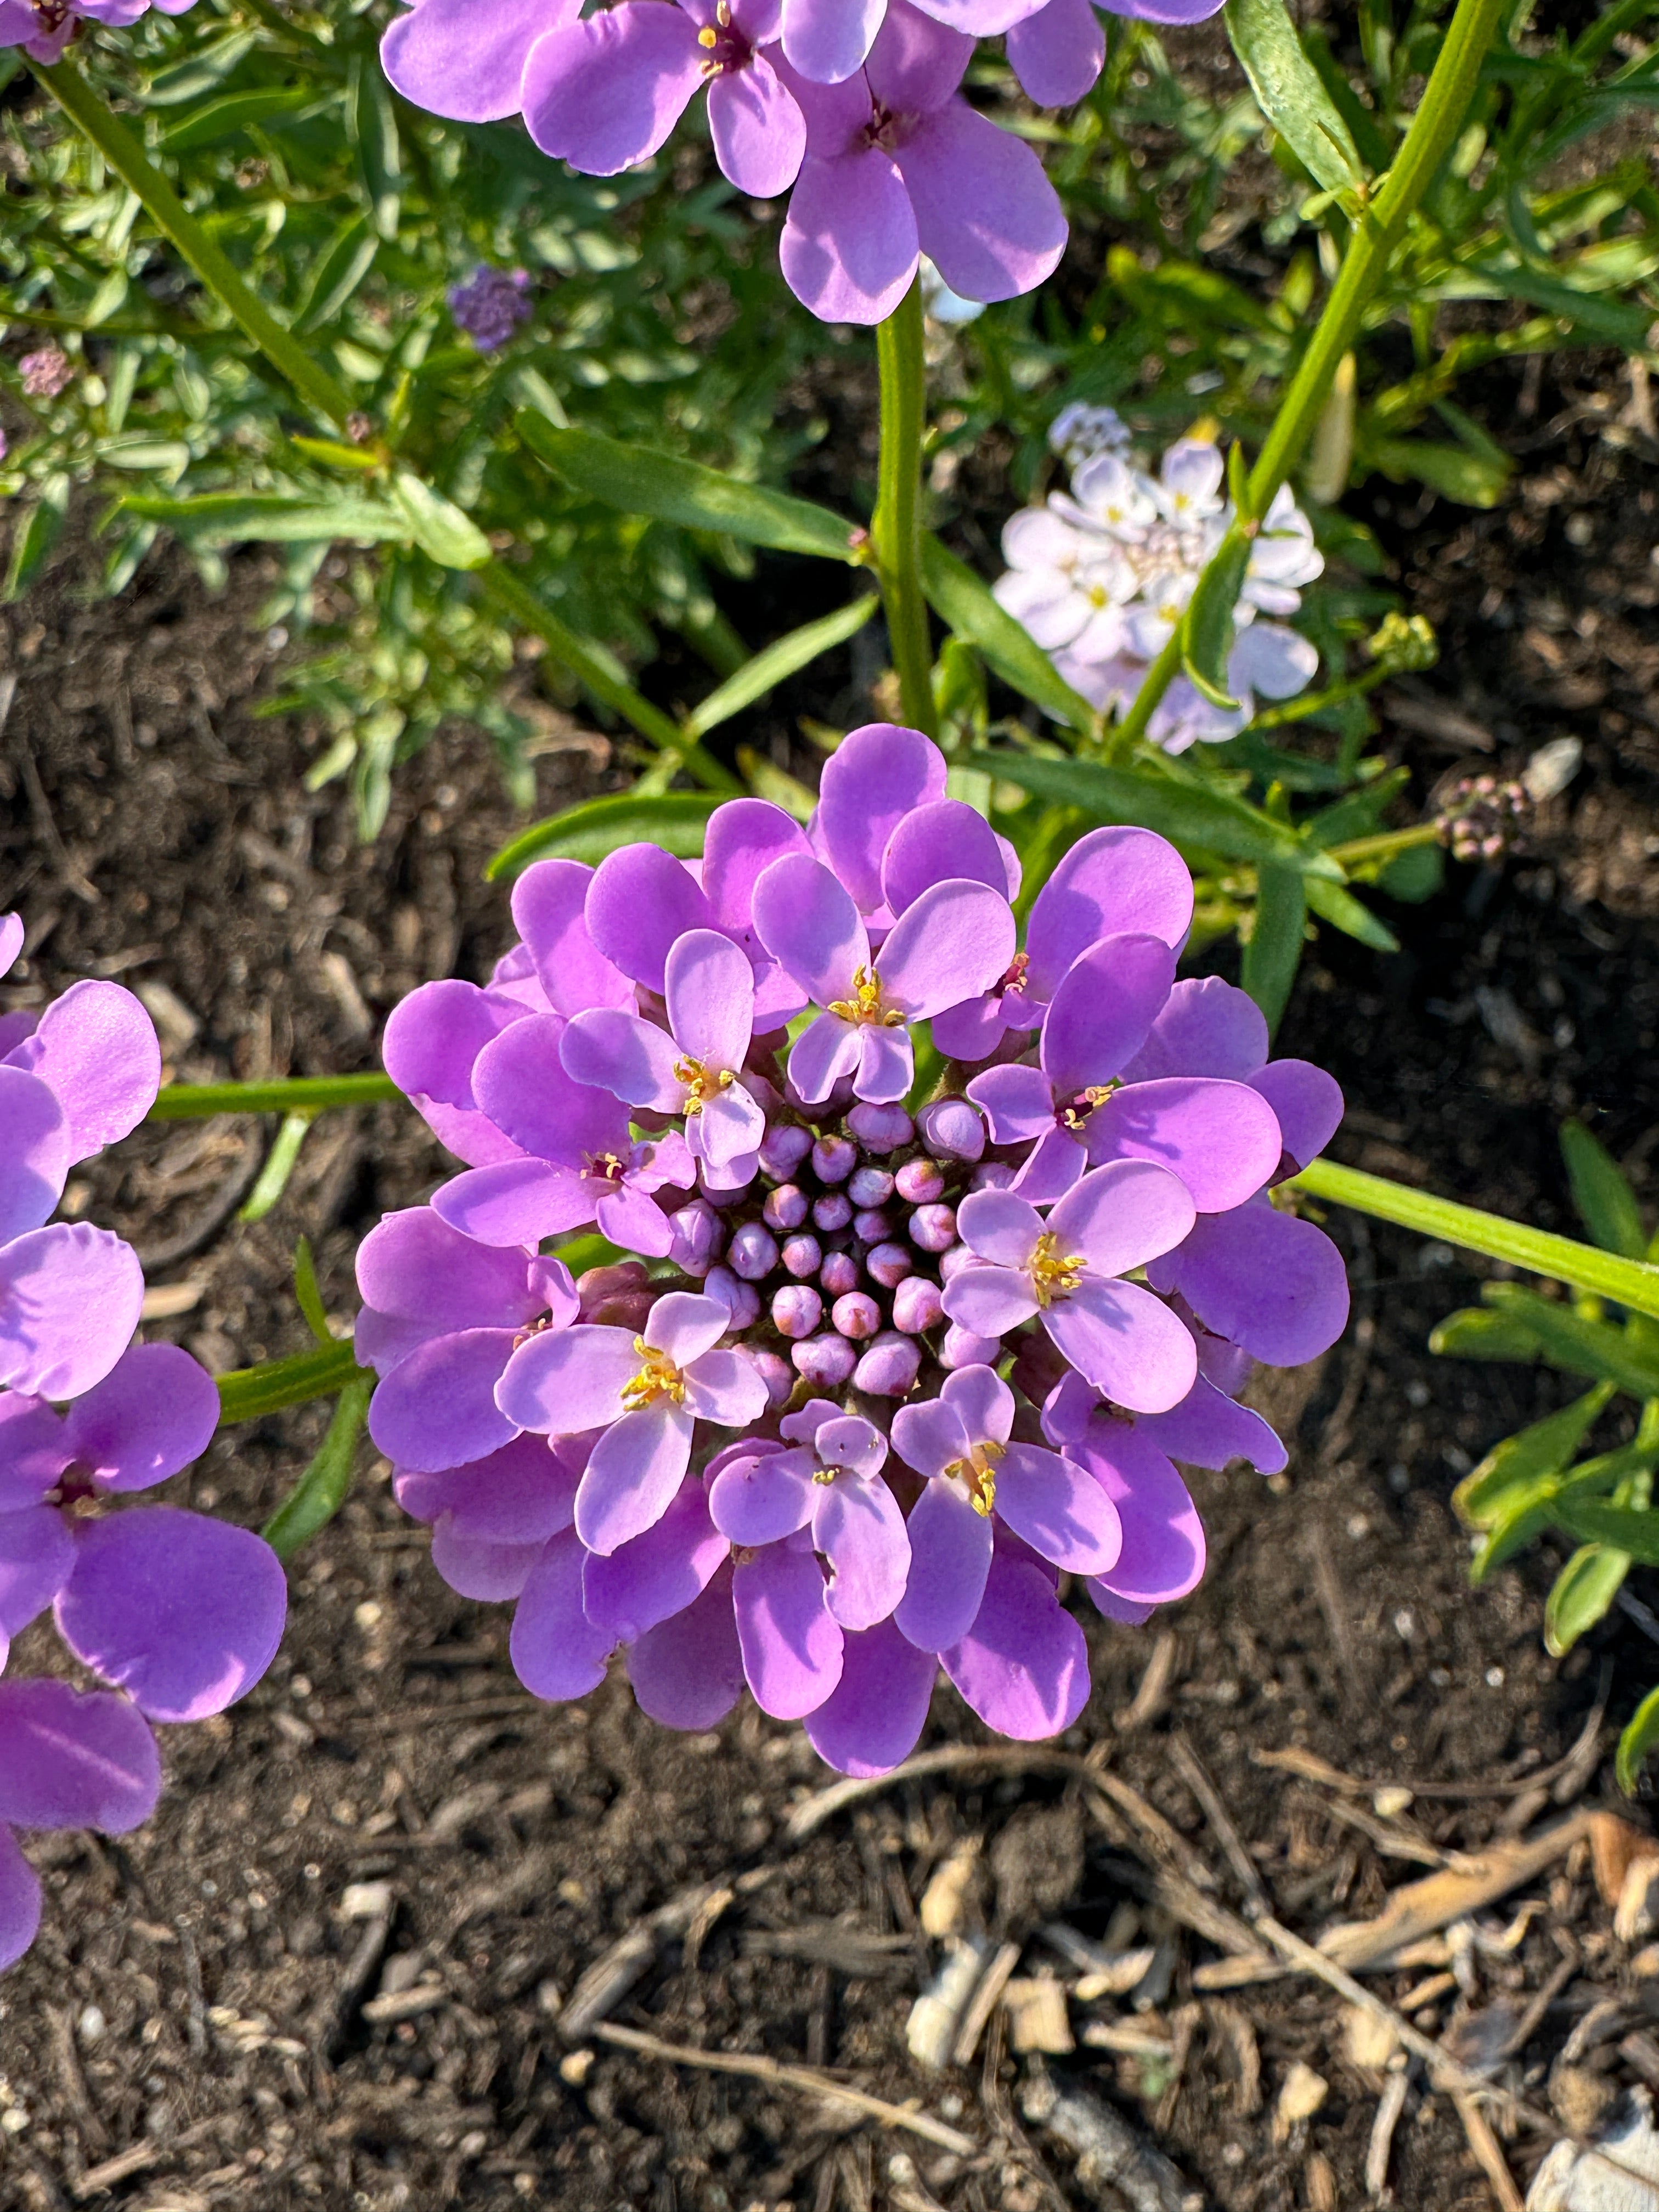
[(192, 2010)]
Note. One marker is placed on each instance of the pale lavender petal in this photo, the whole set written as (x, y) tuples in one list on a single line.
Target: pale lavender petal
[(474, 1567), (617, 1051), (20, 1886), (12, 933), (458, 58), (565, 1381), (743, 839), (828, 39), (433, 1038), (1018, 1103), (971, 1031), (759, 132), (848, 1441), (1208, 1429), (826, 1051), (515, 1203), (807, 921), (1209, 1028), (628, 1219), (1112, 882), (641, 899), (999, 1227), (72, 1758), (659, 1573), (688, 1672), (426, 1277), (848, 250), (437, 1408), (182, 1612), (731, 1127), (727, 1388), (154, 1412), (33, 1453), (70, 1301), (983, 1403), (37, 1556), (873, 1719), (522, 1494), (1057, 53), (887, 1065), (685, 1325), (1051, 1167), (946, 839), (950, 1560), (954, 940), (1122, 1609), (1121, 1216), (557, 1651), (792, 1645), (1023, 1665), (1221, 1138), (548, 903), (711, 998), (35, 1152), (520, 1083), (604, 93), (1107, 1001), (1274, 1286), (1058, 1509), (930, 1436), (985, 214), (1307, 1104), (990, 1300), (757, 1500), (95, 1048), (859, 1528), (1163, 1554), (1126, 1342), (631, 1479), (916, 62)]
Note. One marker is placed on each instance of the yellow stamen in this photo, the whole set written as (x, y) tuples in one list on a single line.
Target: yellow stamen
[(978, 1471), (866, 1007), (1052, 1272), (659, 1378), (708, 36), (1074, 1116), (699, 1081)]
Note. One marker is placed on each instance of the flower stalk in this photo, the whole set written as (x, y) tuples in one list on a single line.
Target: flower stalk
[(896, 525)]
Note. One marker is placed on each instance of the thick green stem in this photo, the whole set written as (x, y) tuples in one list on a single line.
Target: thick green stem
[(1627, 1282), (297, 1094), (896, 525)]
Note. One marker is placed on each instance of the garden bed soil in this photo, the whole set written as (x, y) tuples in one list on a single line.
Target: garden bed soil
[(208, 2020)]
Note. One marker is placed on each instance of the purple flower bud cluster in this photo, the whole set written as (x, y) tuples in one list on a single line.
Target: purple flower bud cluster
[(491, 305), (870, 1377), (1482, 816), (44, 27), (179, 1612), (856, 105)]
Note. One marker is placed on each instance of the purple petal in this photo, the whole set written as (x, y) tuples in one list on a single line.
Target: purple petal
[(1051, 1167), (850, 1443), (465, 60), (604, 93), (1274, 1286), (557, 1651), (1209, 1028), (916, 64), (950, 1559), (1057, 53), (70, 1300), (743, 839), (849, 250), (521, 1084), (826, 1051), (1058, 1509), (944, 840), (953, 941), (433, 1038), (730, 1128), (685, 1325), (154, 1412), (70, 1759), (630, 1218), (95, 1049), (983, 1403), (427, 1278), (631, 1059), (1208, 1429), (548, 903), (12, 934), (1121, 1216), (522, 1494), (828, 39), (182, 1612), (1307, 1104), (887, 1065), (1126, 1342), (515, 1203), (641, 899), (1107, 1001), (1163, 1554), (873, 1719), (37, 1556), (33, 1452), (985, 214), (632, 1477), (998, 1227), (1018, 1103), (1112, 882), (659, 1573), (990, 1300), (877, 777), (1023, 1665), (473, 1567), (35, 1152), (808, 923), (792, 1646), (20, 1886), (565, 1381), (437, 1408), (710, 989), (859, 1528), (971, 1031), (1221, 1138), (759, 131), (756, 1499), (688, 1672), (727, 1388)]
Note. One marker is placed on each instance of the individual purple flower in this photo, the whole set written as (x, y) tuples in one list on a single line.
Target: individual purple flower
[(604, 93), (490, 304), (1066, 1272), (183, 1611), (69, 1758), (960, 1442), (646, 1393), (899, 164)]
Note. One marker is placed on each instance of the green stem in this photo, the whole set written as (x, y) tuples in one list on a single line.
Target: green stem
[(1315, 703), (126, 156), (896, 526), (297, 1094), (321, 1489), (1628, 1282), (249, 1393), (1360, 851)]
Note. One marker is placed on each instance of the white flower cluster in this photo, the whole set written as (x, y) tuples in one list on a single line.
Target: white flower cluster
[(1101, 575)]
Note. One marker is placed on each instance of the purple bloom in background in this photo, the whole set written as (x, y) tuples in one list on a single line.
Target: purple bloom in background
[(49, 370), (806, 1476), (44, 27), (491, 305)]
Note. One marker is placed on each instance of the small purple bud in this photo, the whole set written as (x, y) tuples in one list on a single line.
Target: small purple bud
[(917, 1305), (753, 1252), (873, 1225), (825, 1361), (775, 1372), (953, 1262), (834, 1159), (960, 1348), (857, 1314), (490, 304), (996, 1175), (920, 1182), (833, 1211), (740, 1299), (933, 1228), (889, 1264), (839, 1273), (889, 1367), (797, 1309), (951, 1130), (698, 1234), (870, 1187), (783, 1148), (801, 1256), (787, 1206), (881, 1129)]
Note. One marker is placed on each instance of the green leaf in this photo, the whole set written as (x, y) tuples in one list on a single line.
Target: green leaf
[(374, 133), (782, 659), (227, 518), (641, 481), (450, 538), (340, 269), (321, 1489), (221, 117), (249, 1393), (1607, 1204), (1582, 1591), (1186, 813), (280, 1162), (1518, 1521), (1637, 1744), (34, 533), (1475, 1334), (1332, 904), (959, 599), (1471, 479), (308, 1293), (1572, 1340), (1273, 952), (1414, 875), (172, 87), (1290, 94), (1207, 628), (1519, 1461), (1635, 1533), (675, 821), (768, 780)]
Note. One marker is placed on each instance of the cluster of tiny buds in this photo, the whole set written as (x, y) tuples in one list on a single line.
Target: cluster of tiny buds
[(1403, 644), (1480, 816)]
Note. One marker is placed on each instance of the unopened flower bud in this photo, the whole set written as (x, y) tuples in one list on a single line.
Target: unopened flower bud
[(880, 1128), (933, 1228), (960, 1348), (839, 1273), (801, 1256), (774, 1371), (783, 1148), (797, 1309), (628, 1309), (740, 1299), (951, 1130), (595, 1284), (832, 1211), (993, 1175), (873, 1226), (825, 1361), (753, 1252), (953, 1262), (857, 1314), (787, 1206), (870, 1187), (698, 1234), (834, 1159), (916, 1305), (889, 1264), (889, 1367), (919, 1181)]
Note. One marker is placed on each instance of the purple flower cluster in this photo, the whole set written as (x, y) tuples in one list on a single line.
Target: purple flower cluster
[(856, 104), (181, 1613), (44, 27), (491, 305), (862, 1382)]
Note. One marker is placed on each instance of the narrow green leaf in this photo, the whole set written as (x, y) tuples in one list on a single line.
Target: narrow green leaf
[(1521, 1519), (1475, 1334), (1637, 1744), (1273, 952), (1582, 1591), (249, 1393), (1572, 1340), (340, 269), (279, 1165), (221, 117), (292, 1094), (308, 1292), (1471, 479), (1289, 92), (1607, 1204), (446, 536), (676, 820), (768, 780), (375, 131), (593, 1250), (641, 481), (321, 1489), (1634, 1533), (958, 597), (1332, 904), (210, 66), (784, 658), (229, 518), (35, 532), (1207, 628), (1519, 1461)]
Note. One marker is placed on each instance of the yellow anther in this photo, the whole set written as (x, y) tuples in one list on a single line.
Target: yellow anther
[(708, 36), (978, 1471), (607, 1164), (699, 1081), (659, 1378), (866, 1006), (1053, 1274), (1074, 1116), (825, 1473)]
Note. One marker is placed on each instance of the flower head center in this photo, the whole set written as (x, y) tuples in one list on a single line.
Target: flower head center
[(978, 1471), (75, 1491), (699, 1081), (1076, 1112), (1015, 978), (864, 1006), (659, 1378), (726, 48), (1054, 1273), (608, 1166)]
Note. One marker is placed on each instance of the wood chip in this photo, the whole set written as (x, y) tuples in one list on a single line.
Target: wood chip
[(1389, 2106), (1037, 2018), (1301, 2094), (1422, 1908), (1615, 1846), (1367, 2042), (944, 1901), (1484, 2144), (405, 2004), (1153, 1694), (983, 2002), (1115, 2166)]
